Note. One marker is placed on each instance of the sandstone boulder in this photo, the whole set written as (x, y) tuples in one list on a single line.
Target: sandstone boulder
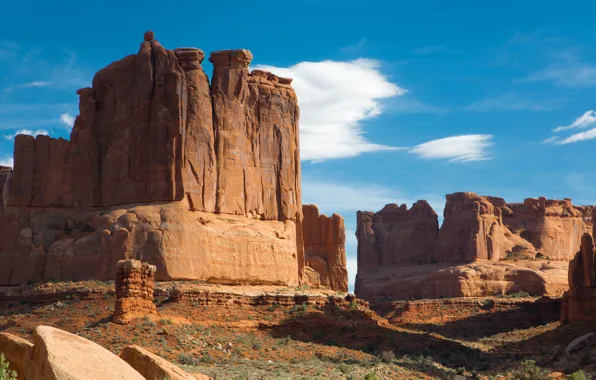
[(59, 355), (153, 367), (324, 248), (15, 350)]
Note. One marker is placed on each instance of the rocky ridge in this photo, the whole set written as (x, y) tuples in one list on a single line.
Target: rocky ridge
[(484, 247)]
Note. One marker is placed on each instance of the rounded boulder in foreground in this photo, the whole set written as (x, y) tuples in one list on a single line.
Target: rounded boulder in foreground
[(60, 355)]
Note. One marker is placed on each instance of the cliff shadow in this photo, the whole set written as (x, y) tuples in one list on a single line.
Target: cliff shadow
[(364, 331), (486, 323)]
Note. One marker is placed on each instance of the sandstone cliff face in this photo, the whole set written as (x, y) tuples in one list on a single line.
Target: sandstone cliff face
[(325, 248), (472, 253), (200, 180), (396, 235), (472, 229), (553, 227), (579, 302)]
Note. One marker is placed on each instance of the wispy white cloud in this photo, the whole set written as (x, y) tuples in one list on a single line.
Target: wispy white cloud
[(568, 74), (335, 99), (67, 120), (514, 102), (355, 48), (34, 84), (26, 132), (7, 161), (586, 120), (456, 148), (581, 136), (551, 140)]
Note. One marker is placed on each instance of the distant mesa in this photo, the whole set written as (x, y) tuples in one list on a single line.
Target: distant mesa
[(484, 247)]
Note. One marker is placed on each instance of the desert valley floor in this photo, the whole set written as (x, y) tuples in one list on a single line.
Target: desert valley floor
[(235, 332)]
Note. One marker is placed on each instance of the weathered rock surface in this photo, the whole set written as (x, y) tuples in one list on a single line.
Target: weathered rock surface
[(201, 180), (15, 350), (153, 367), (325, 248), (473, 229), (135, 282), (476, 279), (60, 355), (579, 302), (396, 235), (474, 253), (553, 227)]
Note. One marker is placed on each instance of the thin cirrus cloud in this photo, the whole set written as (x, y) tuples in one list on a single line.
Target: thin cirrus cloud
[(567, 71), (587, 120), (514, 102), (336, 98), (34, 84), (464, 148)]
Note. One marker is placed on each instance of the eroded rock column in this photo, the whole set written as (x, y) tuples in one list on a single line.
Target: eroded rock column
[(135, 282), (579, 302), (325, 248)]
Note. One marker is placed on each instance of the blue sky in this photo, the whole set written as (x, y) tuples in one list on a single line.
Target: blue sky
[(400, 100)]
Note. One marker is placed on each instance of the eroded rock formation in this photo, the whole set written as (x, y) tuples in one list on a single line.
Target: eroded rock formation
[(554, 227), (325, 248), (201, 180), (135, 282), (579, 302), (485, 246)]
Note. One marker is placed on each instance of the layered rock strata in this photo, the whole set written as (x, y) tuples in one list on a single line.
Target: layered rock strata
[(579, 302), (485, 246), (325, 248), (135, 282), (200, 179), (554, 227)]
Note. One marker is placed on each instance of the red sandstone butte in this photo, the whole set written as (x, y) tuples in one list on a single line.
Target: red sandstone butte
[(402, 253), (325, 248), (200, 179), (579, 302)]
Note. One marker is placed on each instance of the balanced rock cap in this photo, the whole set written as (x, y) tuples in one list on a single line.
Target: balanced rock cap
[(149, 36)]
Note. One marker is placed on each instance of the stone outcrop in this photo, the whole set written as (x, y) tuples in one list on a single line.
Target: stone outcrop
[(485, 246), (15, 350), (579, 302), (59, 355), (396, 235), (325, 248), (200, 179), (135, 282), (473, 229), (553, 227), (153, 367)]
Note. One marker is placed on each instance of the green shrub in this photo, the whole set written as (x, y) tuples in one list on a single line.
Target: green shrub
[(186, 359), (5, 372), (578, 375), (528, 370), (387, 356), (371, 376)]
